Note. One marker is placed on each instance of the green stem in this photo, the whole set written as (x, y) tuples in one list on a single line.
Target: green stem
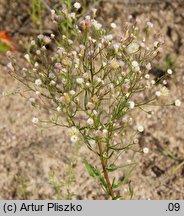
[(106, 176)]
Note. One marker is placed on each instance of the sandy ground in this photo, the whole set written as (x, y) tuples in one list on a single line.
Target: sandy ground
[(31, 153)]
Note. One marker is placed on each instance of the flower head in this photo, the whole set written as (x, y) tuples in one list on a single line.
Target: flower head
[(177, 102), (140, 128), (38, 82), (27, 57), (169, 71), (74, 139), (35, 120), (90, 121), (113, 25), (146, 150), (77, 5), (80, 80), (135, 66), (96, 25), (131, 104), (10, 66)]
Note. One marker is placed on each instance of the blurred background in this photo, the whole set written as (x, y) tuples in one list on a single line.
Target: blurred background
[(41, 164)]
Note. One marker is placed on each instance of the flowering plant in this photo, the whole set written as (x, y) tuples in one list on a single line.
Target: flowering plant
[(91, 83)]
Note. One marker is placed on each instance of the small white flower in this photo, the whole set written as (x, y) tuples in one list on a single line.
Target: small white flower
[(73, 131), (35, 120), (27, 57), (91, 142), (33, 42), (169, 71), (46, 40), (135, 66), (32, 100), (51, 75), (94, 10), (146, 150), (43, 48), (132, 48), (70, 42), (136, 141), (38, 52), (72, 15), (52, 83), (148, 66), (153, 82), (149, 24), (113, 25), (77, 5), (36, 64), (74, 53), (53, 14), (88, 17), (105, 131), (164, 91), (10, 66), (37, 93), (158, 93), (58, 108), (72, 92), (135, 63), (140, 128), (131, 104), (108, 37), (52, 36), (40, 36), (88, 84), (147, 76), (74, 139), (177, 102), (96, 24), (98, 79), (90, 121), (80, 80), (164, 82), (90, 105), (155, 44), (116, 47), (38, 82), (95, 112)]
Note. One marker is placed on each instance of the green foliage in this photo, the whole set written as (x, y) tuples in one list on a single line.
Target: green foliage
[(36, 11), (22, 189), (62, 188), (3, 48), (169, 61)]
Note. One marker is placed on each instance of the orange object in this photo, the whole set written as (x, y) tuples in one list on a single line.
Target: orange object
[(5, 38)]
